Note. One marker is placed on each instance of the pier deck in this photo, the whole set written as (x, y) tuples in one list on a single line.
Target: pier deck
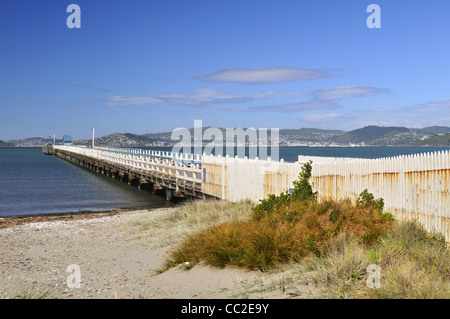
[(177, 174)]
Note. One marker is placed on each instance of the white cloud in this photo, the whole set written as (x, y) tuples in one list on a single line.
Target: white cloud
[(264, 75), (218, 99), (418, 116), (300, 106), (345, 92), (199, 98), (317, 118), (322, 99)]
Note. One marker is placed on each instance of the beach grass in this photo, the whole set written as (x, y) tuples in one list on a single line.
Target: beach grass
[(172, 226), (413, 264), (27, 292)]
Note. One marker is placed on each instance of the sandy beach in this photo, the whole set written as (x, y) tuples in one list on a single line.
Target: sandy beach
[(111, 261)]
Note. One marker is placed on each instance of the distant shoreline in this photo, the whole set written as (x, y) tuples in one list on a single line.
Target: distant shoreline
[(281, 146)]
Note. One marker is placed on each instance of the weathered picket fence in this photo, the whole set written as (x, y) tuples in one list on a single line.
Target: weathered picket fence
[(412, 186)]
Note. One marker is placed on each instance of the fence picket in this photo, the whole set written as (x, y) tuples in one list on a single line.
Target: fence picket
[(412, 186)]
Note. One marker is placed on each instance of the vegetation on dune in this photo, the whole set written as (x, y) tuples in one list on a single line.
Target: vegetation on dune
[(302, 244), (170, 228), (284, 228), (413, 264), (27, 292)]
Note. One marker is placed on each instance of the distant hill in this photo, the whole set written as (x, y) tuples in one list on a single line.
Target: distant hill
[(33, 142), (311, 133), (6, 144), (370, 134), (367, 136), (435, 129), (435, 140), (122, 140), (307, 136)]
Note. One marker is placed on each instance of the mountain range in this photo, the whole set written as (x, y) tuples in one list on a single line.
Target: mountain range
[(366, 136)]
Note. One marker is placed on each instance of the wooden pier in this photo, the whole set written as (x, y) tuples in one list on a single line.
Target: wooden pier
[(177, 175)]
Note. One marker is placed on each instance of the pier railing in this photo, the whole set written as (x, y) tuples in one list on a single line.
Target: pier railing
[(182, 167)]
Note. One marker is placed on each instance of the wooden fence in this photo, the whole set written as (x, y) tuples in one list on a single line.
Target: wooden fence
[(412, 186)]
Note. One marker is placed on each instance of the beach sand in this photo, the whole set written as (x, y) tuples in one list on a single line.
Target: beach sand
[(113, 263)]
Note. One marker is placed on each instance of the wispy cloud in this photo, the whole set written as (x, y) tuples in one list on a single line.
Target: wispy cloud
[(131, 100), (264, 75), (206, 98), (217, 99), (420, 115), (323, 99), (346, 92), (324, 119), (80, 86), (300, 106)]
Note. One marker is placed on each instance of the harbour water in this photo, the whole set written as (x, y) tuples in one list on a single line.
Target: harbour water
[(290, 154), (33, 183)]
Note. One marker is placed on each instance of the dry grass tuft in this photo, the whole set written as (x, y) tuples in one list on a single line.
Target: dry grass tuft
[(171, 227), (288, 233), (413, 263), (27, 292)]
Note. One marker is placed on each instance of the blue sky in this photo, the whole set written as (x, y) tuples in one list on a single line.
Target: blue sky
[(152, 66)]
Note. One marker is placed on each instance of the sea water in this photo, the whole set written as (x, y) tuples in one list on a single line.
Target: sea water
[(34, 183)]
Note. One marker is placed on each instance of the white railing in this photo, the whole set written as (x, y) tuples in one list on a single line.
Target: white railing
[(185, 167)]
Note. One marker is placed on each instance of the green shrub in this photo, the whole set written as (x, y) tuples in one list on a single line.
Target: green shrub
[(302, 191), (302, 188), (266, 206), (366, 199)]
